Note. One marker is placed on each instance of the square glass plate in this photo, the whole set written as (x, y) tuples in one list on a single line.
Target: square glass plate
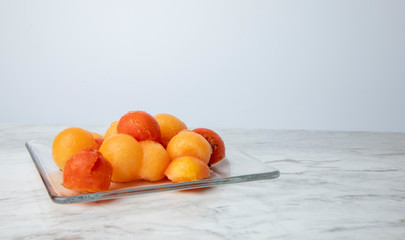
[(236, 167)]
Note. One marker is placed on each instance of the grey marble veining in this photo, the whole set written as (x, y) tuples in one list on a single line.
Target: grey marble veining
[(333, 185)]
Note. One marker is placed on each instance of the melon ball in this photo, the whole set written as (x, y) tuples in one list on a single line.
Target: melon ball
[(155, 161), (69, 142), (125, 155), (169, 125), (187, 168), (188, 143), (88, 171)]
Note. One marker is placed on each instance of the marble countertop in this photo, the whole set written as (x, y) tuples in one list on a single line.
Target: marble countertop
[(333, 185)]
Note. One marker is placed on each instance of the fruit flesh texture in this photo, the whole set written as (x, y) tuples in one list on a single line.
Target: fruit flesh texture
[(125, 155), (140, 125), (99, 141), (155, 161), (98, 138), (88, 171), (112, 129), (216, 142), (169, 126), (188, 143), (69, 142), (187, 168)]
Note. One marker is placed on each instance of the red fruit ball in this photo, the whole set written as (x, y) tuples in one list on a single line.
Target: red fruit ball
[(87, 171), (216, 142), (140, 125)]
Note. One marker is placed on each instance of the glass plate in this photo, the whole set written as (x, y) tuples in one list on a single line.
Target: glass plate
[(236, 167)]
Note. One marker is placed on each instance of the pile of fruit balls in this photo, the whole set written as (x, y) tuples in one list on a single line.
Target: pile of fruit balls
[(139, 146)]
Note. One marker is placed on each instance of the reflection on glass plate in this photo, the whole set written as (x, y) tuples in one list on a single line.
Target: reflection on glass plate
[(237, 167)]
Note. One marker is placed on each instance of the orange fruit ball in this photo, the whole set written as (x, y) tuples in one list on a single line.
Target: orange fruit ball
[(188, 143), (70, 141), (96, 135), (88, 171), (155, 161), (169, 126), (216, 142), (125, 155), (112, 129), (187, 168), (140, 125)]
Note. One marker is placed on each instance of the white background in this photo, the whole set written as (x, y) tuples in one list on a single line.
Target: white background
[(322, 65)]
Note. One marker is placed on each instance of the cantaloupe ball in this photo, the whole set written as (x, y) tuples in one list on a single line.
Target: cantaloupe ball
[(188, 143), (125, 155), (187, 168), (112, 129), (69, 142), (96, 135), (155, 161), (169, 126)]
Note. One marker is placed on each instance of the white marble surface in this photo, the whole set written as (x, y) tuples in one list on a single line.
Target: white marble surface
[(333, 185)]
